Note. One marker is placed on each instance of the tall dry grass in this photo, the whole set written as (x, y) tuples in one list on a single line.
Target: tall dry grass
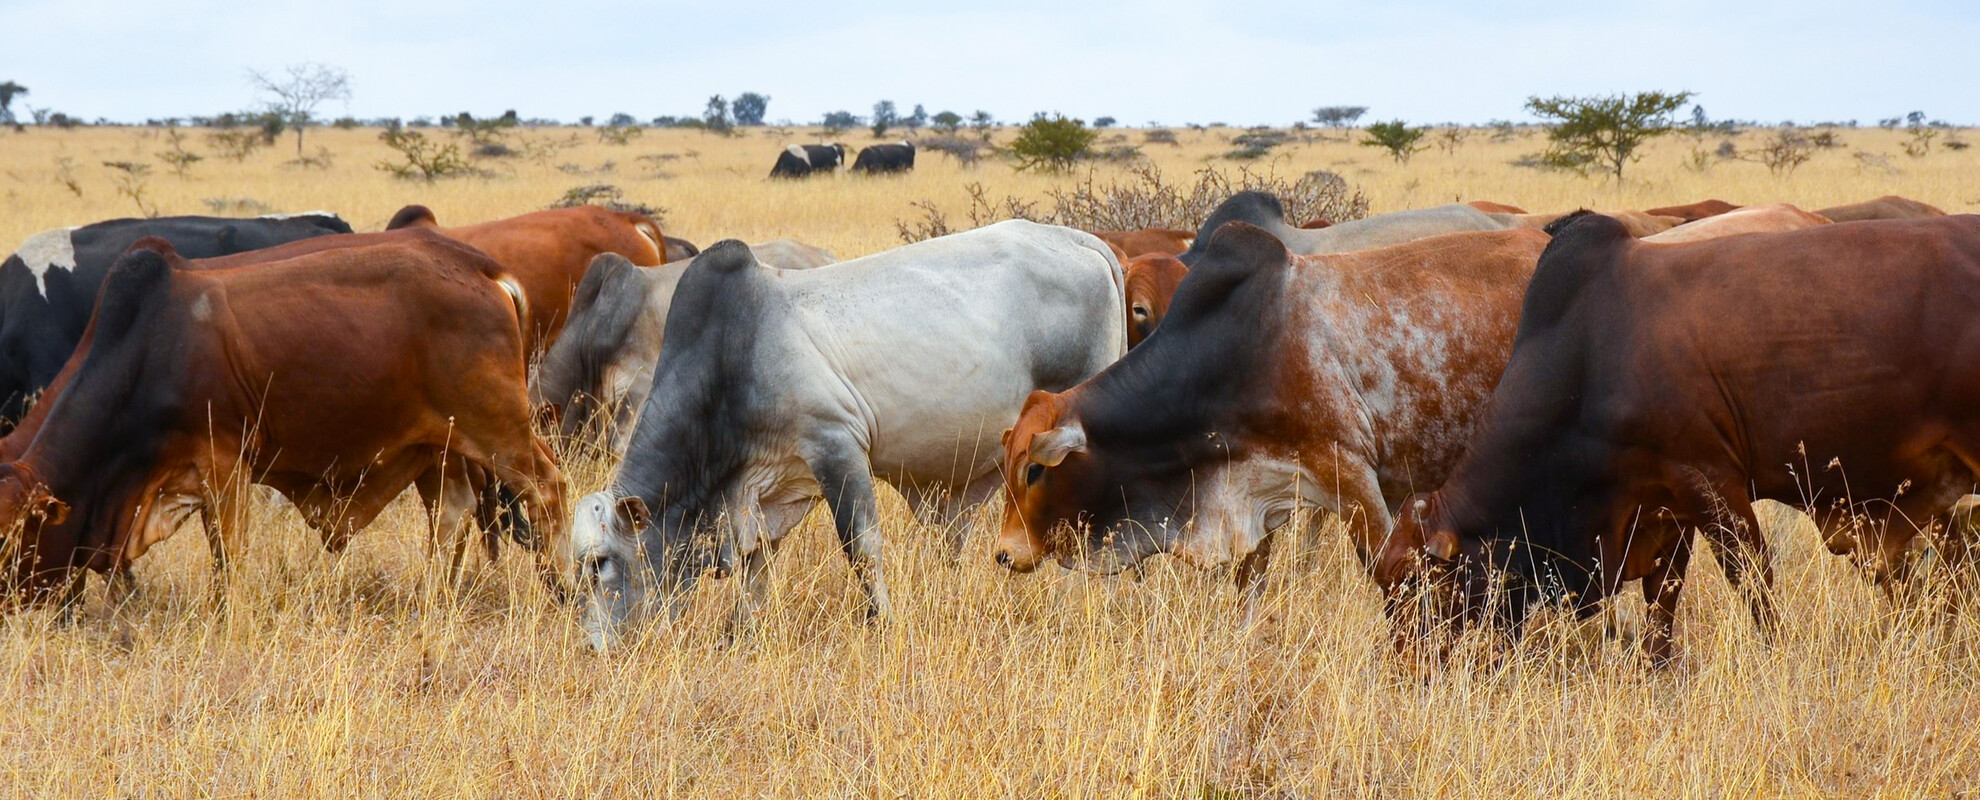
[(329, 676)]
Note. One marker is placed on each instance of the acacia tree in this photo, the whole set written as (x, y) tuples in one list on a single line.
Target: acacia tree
[(885, 117), (1606, 130), (298, 90), (1397, 137), (8, 91), (749, 108)]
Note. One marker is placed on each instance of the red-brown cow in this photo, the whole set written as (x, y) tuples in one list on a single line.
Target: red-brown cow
[(1341, 382), (1889, 206), (1490, 207), (1147, 241), (1151, 281), (1772, 218), (337, 377), (1693, 212), (548, 251), (1656, 390)]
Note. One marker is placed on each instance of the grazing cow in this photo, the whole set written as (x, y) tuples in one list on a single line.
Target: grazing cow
[(1639, 223), (600, 368), (1693, 212), (337, 377), (1341, 382), (48, 287), (1654, 390), (1263, 210), (1773, 218), (1160, 241), (801, 160), (1889, 206), (679, 249), (897, 157), (1151, 281), (547, 252), (776, 390)]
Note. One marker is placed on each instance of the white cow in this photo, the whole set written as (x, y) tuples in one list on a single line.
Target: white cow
[(599, 369), (776, 389)]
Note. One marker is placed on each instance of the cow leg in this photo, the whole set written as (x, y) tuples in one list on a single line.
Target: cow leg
[(1741, 550), (846, 479), (538, 489), (1348, 488), (223, 517), (1660, 590), (69, 602), (946, 508), (1250, 576), (450, 504), (753, 575), (121, 586)]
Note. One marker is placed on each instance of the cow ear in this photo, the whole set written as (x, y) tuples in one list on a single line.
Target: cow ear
[(632, 511), (49, 509), (1007, 436), (1051, 447), (1442, 545)]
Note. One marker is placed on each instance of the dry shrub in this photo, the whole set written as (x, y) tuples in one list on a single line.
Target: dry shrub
[(607, 195), (964, 151)]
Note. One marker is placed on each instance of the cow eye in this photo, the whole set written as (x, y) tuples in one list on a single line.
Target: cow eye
[(1033, 473), (1140, 312)]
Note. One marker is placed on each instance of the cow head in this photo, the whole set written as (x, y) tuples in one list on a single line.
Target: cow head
[(1151, 281), (38, 542), (1887, 550), (1057, 501), (1432, 575)]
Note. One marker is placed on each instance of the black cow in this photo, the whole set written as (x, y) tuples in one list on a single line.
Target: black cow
[(800, 160), (48, 287), (897, 157)]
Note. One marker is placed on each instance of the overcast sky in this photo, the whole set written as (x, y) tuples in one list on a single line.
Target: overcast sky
[(1252, 63)]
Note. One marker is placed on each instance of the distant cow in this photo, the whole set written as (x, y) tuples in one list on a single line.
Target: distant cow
[(1264, 211), (800, 160), (1151, 282), (1773, 218), (1340, 382), (1639, 223), (1143, 241), (1654, 390), (1316, 223), (1693, 212), (1490, 207), (1889, 206), (48, 287), (338, 378), (897, 157), (548, 251), (600, 368), (777, 390)]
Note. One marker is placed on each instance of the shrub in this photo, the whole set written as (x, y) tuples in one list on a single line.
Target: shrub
[(1604, 130), (1401, 140), (177, 156), (236, 144), (964, 151), (1161, 136), (237, 206), (424, 159), (1784, 152), (1052, 143), (620, 134), (607, 195)]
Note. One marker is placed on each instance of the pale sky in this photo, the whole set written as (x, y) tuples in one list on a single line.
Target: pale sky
[(1264, 62)]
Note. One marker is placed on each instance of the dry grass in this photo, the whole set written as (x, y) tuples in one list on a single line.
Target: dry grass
[(324, 679)]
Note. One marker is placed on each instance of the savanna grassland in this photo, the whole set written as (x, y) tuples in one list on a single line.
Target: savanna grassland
[(335, 676)]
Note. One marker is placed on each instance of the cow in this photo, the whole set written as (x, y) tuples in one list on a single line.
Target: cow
[(337, 377), (1144, 241), (1262, 210), (596, 375), (776, 390), (48, 286), (801, 160), (896, 157), (548, 251), (678, 249), (1490, 207), (1772, 218), (1316, 223), (1639, 223), (1151, 281), (1276, 383), (1889, 206), (1654, 390), (1693, 212)]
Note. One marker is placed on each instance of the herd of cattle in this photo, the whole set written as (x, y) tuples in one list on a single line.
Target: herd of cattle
[(1582, 391)]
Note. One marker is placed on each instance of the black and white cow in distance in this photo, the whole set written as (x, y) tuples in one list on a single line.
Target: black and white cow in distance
[(800, 160), (778, 389), (896, 157), (48, 287), (1382, 230), (595, 377)]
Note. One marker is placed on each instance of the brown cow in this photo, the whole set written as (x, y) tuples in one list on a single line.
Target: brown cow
[(548, 251), (1316, 223), (1639, 223), (1654, 390), (1889, 206), (1693, 212), (1341, 382), (1490, 207), (337, 377), (1158, 241), (1151, 281), (1773, 218)]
